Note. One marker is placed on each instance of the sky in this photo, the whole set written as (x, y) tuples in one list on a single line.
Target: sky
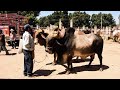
[(115, 14)]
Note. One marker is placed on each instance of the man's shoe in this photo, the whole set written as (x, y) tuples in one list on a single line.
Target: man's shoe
[(25, 74), (7, 54), (30, 75)]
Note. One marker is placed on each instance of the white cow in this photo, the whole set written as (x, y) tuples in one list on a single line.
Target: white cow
[(115, 34)]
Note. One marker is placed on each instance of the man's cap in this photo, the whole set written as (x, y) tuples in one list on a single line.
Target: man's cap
[(26, 26)]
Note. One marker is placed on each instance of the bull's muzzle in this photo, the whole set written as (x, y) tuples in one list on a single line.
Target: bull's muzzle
[(36, 41), (49, 50)]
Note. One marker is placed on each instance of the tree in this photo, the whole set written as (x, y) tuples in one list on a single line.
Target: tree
[(65, 19), (31, 16), (80, 19), (107, 20), (95, 20), (51, 19), (54, 18)]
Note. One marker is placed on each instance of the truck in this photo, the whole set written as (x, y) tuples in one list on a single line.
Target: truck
[(12, 21)]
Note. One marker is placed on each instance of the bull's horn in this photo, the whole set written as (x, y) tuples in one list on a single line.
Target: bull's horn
[(43, 36)]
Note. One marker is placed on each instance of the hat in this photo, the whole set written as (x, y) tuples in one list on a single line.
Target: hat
[(26, 26), (11, 30)]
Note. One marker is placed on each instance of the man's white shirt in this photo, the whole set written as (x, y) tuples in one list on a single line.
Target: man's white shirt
[(28, 42)]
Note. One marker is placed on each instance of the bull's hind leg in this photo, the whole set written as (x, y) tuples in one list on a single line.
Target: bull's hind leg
[(100, 58), (91, 59)]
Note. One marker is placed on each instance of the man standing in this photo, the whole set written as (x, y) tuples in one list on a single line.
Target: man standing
[(28, 49), (13, 38), (2, 42)]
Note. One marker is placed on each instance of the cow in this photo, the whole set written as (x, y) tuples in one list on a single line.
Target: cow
[(116, 35), (70, 45)]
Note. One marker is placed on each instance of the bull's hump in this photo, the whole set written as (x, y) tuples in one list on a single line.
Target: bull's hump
[(82, 41)]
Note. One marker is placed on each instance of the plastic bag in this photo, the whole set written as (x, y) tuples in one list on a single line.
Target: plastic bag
[(20, 49)]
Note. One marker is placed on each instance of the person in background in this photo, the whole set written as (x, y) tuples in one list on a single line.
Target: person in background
[(13, 38), (2, 42), (28, 49)]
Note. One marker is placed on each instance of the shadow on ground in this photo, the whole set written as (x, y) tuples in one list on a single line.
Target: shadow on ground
[(12, 53), (84, 68), (74, 61), (8, 54), (41, 72), (80, 60)]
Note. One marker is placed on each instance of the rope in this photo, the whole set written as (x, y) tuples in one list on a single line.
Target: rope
[(42, 60)]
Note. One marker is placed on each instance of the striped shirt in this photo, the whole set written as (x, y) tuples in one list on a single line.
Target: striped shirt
[(28, 42)]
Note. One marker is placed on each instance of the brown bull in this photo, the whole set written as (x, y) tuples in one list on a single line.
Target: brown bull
[(72, 44)]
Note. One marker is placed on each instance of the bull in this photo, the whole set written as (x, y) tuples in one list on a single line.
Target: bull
[(70, 45)]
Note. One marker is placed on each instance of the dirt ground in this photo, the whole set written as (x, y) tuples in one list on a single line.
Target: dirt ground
[(11, 66)]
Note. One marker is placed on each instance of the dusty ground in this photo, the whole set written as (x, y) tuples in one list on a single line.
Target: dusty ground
[(11, 67)]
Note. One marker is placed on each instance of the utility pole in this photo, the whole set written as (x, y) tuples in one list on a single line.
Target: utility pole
[(60, 24), (71, 22), (101, 21), (90, 23), (119, 20)]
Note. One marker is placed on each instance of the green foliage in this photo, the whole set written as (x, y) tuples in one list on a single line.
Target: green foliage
[(65, 19), (107, 20), (54, 19), (79, 19)]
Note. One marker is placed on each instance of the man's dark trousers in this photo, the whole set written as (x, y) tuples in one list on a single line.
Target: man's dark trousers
[(28, 62)]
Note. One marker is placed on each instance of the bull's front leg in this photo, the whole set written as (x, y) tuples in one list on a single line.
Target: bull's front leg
[(55, 59)]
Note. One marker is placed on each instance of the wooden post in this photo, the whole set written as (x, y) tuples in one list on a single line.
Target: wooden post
[(71, 23), (83, 27), (95, 29), (60, 24)]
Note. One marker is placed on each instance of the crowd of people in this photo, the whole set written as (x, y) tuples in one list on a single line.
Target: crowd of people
[(27, 47)]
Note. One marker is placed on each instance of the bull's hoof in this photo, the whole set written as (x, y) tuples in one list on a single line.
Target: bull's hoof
[(68, 72), (101, 69), (53, 63), (87, 66)]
